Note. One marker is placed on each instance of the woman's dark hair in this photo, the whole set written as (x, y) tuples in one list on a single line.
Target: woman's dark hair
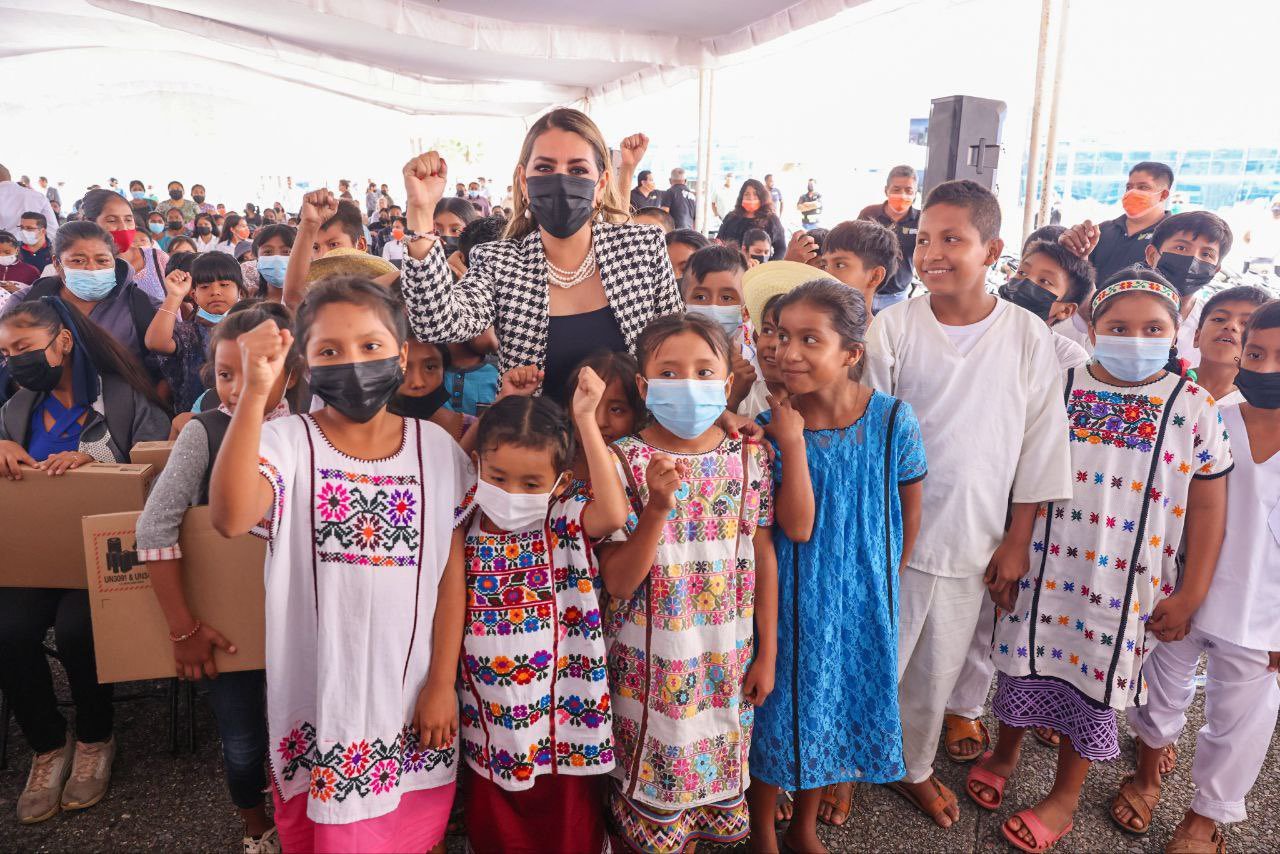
[(351, 290), (95, 201), (213, 226), (1266, 317), (136, 183), (461, 208), (184, 240), (77, 230), (103, 352), (662, 328), (536, 423), (244, 318), (229, 222), (210, 267), (1134, 272), (844, 305), (611, 365), (766, 200)]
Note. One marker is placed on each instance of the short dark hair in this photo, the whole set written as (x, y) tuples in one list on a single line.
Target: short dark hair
[(40, 218), (611, 365), (844, 305), (668, 222), (662, 328), (688, 237), (1044, 232), (1197, 224), (481, 230), (984, 209), (713, 259), (349, 219), (754, 235), (537, 423), (1159, 171), (903, 171), (244, 318), (1251, 294), (180, 261), (643, 175), (875, 245), (819, 236), (1266, 317), (1080, 273), (95, 201), (7, 239), (352, 290), (210, 267)]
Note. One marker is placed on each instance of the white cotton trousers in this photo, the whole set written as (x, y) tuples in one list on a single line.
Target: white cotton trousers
[(936, 619), (1241, 699), (969, 697)]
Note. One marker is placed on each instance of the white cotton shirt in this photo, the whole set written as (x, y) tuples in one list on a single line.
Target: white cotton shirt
[(993, 421), (15, 200), (965, 338), (1187, 334), (1244, 596), (1231, 398), (1070, 353), (1076, 329)]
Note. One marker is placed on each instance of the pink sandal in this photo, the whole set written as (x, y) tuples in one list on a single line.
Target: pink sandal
[(1044, 838), (979, 774)]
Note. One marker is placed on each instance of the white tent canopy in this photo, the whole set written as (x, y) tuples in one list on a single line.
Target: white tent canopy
[(495, 58)]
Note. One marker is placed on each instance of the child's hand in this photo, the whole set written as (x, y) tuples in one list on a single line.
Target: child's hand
[(193, 657), (786, 425), (802, 248), (633, 149), (177, 285), (588, 394), (456, 264), (1273, 662), (663, 479), (317, 207), (744, 377), (1171, 617), (1081, 239), (263, 351), (1011, 561), (63, 462), (424, 185), (758, 684), (435, 717), (12, 458), (522, 381)]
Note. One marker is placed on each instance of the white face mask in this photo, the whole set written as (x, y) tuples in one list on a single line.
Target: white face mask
[(513, 511), (29, 236), (8, 260)]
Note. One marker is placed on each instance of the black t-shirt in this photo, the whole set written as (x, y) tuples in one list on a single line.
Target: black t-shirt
[(640, 200), (811, 217), (680, 203), (906, 230), (1117, 248)]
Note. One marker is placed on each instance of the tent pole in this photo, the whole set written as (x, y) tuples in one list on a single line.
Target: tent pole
[(706, 111), (1051, 144), (1033, 145)]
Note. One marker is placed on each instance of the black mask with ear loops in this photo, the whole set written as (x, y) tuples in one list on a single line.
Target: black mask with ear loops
[(419, 407), (357, 389), (32, 370), (1259, 389), (561, 203)]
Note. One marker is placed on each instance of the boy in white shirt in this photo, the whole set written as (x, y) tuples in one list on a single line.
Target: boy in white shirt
[(1051, 282), (712, 286), (984, 380)]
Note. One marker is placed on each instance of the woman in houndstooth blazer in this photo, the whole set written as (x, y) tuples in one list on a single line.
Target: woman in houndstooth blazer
[(570, 275)]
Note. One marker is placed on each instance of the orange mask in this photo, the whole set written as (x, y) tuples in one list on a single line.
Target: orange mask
[(899, 204), (397, 233), (751, 205), (1138, 202)]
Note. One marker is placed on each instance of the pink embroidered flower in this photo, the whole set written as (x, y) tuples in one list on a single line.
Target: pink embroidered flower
[(355, 759), (384, 777), (324, 783), (401, 505), (292, 745), (334, 502)]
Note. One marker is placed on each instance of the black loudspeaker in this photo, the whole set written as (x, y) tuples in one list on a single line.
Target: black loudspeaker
[(964, 140)]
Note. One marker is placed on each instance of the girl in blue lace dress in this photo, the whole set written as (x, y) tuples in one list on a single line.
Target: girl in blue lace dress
[(851, 462)]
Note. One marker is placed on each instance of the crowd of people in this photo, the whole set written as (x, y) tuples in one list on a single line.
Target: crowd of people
[(593, 530)]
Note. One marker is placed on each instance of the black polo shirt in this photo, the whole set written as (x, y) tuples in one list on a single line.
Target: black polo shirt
[(640, 200), (1117, 248), (681, 204), (905, 230)]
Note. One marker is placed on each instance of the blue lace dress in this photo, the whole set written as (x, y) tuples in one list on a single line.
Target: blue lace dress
[(833, 713)]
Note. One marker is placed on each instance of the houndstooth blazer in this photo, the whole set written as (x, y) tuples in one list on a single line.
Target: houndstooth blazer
[(506, 288)]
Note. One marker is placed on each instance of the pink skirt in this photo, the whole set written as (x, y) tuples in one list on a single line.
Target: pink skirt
[(418, 824)]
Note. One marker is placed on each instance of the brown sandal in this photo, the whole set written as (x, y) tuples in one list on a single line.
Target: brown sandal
[(937, 805), (1142, 806), (1187, 845), (959, 728), (839, 806)]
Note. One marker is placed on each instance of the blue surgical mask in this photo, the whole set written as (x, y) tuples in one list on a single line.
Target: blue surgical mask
[(90, 285), (138, 194), (272, 269), (209, 316), (1132, 359), (155, 227), (729, 317), (687, 408)]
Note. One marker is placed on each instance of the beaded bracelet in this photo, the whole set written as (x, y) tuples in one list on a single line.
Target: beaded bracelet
[(189, 635)]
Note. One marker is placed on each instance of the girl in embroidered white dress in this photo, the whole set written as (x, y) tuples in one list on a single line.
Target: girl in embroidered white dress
[(1149, 452), (364, 579), (694, 582), (537, 732)]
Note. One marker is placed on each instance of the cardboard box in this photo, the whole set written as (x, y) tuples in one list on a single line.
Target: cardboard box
[(151, 453), (222, 578), (40, 519)]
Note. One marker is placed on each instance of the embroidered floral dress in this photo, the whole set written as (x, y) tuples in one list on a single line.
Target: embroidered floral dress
[(680, 647), (356, 551), (1102, 560), (534, 688)]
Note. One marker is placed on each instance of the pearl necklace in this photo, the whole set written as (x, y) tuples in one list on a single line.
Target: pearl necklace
[(568, 278)]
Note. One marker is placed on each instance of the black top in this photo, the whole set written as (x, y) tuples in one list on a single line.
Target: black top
[(640, 200), (573, 337), (810, 217), (1117, 248), (680, 203), (736, 225), (906, 230)]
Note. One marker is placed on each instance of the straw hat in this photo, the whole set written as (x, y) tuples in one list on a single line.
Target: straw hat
[(349, 262), (762, 283)]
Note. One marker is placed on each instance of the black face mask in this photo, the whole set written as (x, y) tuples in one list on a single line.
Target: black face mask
[(450, 245), (175, 194), (1260, 390), (1032, 297), (32, 370), (1187, 274), (358, 390), (175, 226), (561, 204), (201, 230), (419, 407), (199, 200)]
